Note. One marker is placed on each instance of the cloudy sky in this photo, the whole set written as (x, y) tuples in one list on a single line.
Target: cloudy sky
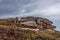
[(44, 8)]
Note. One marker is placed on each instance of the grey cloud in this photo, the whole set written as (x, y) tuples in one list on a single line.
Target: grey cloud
[(13, 6)]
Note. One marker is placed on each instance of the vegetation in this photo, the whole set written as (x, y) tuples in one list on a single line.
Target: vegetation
[(18, 34)]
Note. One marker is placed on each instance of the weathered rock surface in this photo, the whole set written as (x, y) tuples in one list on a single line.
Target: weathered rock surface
[(38, 22)]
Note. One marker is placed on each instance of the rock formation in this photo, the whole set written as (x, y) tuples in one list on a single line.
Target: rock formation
[(30, 22), (37, 22)]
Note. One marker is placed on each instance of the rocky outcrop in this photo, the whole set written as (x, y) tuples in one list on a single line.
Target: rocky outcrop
[(38, 22), (30, 22)]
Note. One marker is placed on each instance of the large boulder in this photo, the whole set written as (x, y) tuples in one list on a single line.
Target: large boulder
[(29, 23)]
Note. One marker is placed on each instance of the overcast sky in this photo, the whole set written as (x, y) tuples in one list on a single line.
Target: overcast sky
[(44, 8)]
